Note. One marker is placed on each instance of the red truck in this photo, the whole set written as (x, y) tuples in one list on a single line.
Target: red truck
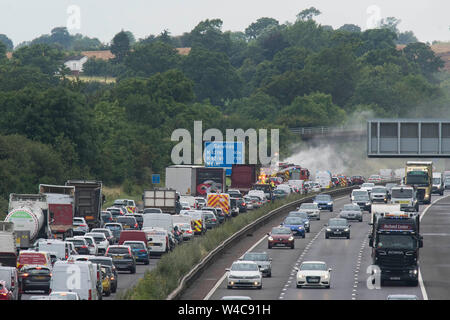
[(244, 176), (60, 201)]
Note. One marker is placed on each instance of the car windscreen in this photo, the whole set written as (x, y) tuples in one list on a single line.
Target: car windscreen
[(302, 215), (350, 207), (367, 185), (244, 267), (378, 190), (127, 220), (362, 198), (135, 245), (323, 197), (293, 221), (77, 221), (436, 180), (118, 250), (337, 222), (77, 242), (113, 227), (88, 240), (313, 266), (106, 262), (256, 256), (281, 231), (399, 194), (102, 231)]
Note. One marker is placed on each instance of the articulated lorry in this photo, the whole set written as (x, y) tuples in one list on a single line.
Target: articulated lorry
[(395, 242), (165, 199), (61, 207), (8, 250), (195, 180), (243, 176), (88, 200), (419, 174), (29, 214)]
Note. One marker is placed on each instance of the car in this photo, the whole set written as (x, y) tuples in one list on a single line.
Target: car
[(186, 230), (128, 222), (234, 193), (139, 218), (357, 180), (313, 186), (389, 186), (152, 210), (379, 194), (107, 232), (100, 240), (39, 298), (116, 212), (312, 209), (107, 261), (242, 205), (116, 228), (80, 226), (351, 212), (210, 219), (63, 295), (324, 202), (33, 258), (140, 251), (296, 225), (375, 178), (234, 208), (279, 194), (244, 274), (106, 280), (337, 227), (367, 186), (258, 202), (11, 277), (280, 236), (304, 216), (402, 297), (262, 259), (106, 217), (249, 202), (35, 277), (5, 293), (92, 246), (80, 244), (122, 257), (313, 273), (221, 215), (362, 199)]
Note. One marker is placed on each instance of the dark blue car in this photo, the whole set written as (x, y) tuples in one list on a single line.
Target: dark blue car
[(302, 215), (296, 225), (324, 201), (140, 251)]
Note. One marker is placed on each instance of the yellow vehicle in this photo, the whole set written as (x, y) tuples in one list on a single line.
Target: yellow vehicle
[(219, 200), (419, 174), (106, 280)]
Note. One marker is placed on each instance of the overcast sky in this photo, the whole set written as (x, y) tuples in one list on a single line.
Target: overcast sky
[(24, 20)]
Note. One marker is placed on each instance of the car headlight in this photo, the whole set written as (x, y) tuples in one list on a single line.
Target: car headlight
[(367, 203), (301, 276), (326, 277), (328, 229), (330, 203), (270, 239), (413, 272), (346, 229), (291, 238), (300, 227)]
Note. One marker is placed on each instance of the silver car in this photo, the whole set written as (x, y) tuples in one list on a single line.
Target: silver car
[(244, 274), (262, 259), (312, 209), (351, 212), (80, 226)]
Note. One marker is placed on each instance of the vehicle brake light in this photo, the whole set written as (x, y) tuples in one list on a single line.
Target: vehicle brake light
[(24, 275), (142, 250), (90, 294)]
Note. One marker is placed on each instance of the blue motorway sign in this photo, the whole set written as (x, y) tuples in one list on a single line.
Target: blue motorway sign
[(156, 179), (222, 154)]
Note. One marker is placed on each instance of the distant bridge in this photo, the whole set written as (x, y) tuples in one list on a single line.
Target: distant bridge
[(331, 133)]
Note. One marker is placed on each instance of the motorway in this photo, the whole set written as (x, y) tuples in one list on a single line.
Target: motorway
[(349, 260)]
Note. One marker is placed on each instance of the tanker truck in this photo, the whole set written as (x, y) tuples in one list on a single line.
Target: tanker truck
[(29, 213)]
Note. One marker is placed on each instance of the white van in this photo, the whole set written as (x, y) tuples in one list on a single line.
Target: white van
[(158, 220), (298, 184), (285, 187), (157, 240), (61, 249), (198, 223), (179, 218), (258, 193), (189, 199), (78, 276), (10, 276)]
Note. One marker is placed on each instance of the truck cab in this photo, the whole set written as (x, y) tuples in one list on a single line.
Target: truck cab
[(395, 242), (418, 174)]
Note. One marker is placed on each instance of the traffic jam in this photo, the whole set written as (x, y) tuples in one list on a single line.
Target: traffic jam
[(64, 231)]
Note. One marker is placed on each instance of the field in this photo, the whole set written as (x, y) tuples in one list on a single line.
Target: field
[(93, 79)]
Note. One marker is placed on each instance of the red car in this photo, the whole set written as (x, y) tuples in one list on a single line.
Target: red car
[(5, 294), (280, 236)]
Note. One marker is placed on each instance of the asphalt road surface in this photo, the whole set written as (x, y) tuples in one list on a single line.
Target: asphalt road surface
[(349, 260)]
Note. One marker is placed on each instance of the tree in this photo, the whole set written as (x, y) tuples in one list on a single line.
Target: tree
[(131, 37), (308, 14), (208, 34), (421, 54), (148, 59), (213, 75), (7, 42), (350, 28), (61, 36), (48, 59), (120, 46), (2, 52), (406, 37), (262, 25), (390, 23)]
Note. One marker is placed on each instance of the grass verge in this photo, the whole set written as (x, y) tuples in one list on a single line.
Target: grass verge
[(161, 281)]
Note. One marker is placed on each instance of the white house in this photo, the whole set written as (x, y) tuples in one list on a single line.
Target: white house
[(75, 63)]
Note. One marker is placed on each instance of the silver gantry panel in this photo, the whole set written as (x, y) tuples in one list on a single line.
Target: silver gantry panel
[(388, 138)]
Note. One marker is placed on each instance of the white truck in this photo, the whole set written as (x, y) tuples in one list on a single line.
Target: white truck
[(323, 178), (165, 199), (29, 213), (8, 251), (438, 183)]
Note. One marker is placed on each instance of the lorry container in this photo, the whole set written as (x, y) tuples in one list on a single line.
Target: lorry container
[(60, 201), (164, 199), (8, 251), (88, 201), (29, 213), (243, 176), (195, 180), (419, 174)]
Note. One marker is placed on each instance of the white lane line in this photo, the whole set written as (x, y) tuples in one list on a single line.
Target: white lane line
[(421, 284), (211, 292)]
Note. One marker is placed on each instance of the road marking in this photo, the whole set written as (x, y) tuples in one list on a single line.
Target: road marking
[(421, 284)]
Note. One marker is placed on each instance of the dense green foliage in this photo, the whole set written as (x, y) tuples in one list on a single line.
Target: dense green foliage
[(270, 75)]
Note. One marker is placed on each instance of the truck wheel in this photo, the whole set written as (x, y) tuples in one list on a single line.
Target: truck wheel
[(303, 236)]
